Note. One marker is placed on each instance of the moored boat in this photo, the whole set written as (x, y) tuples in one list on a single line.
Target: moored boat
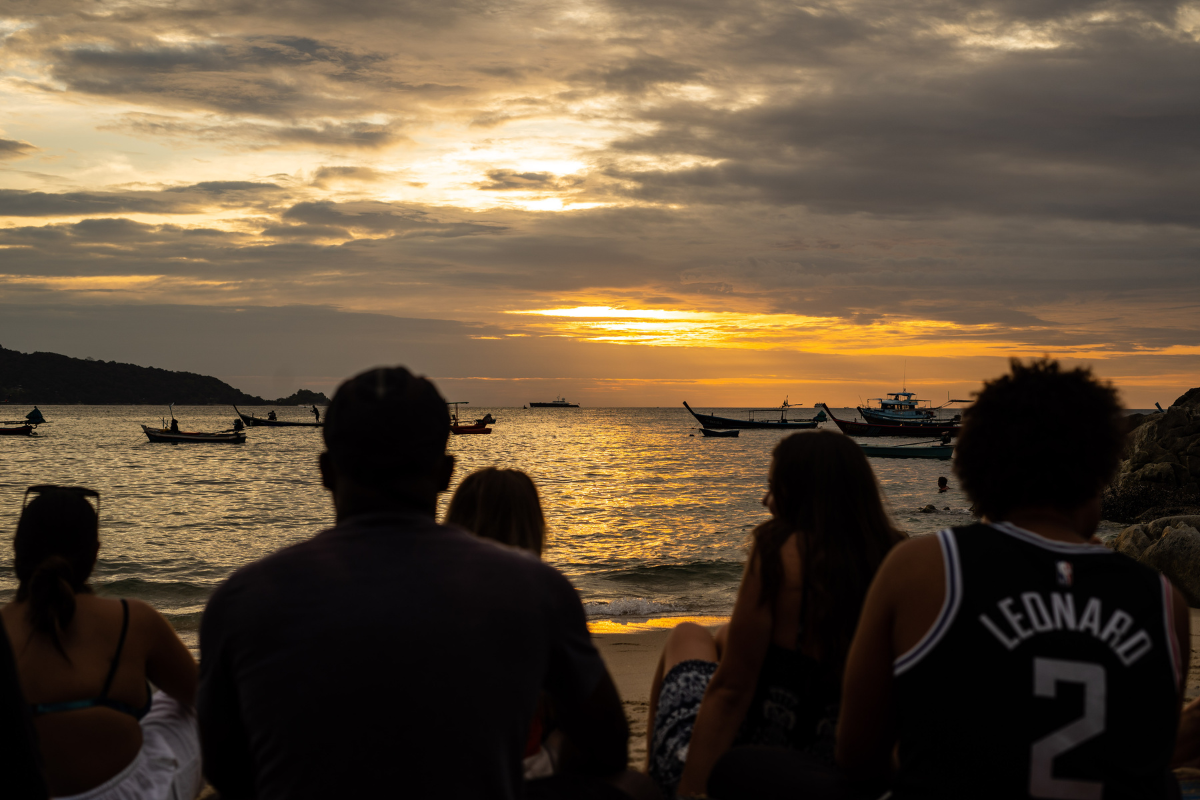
[(713, 421), (266, 422), (478, 426), (904, 408), (939, 451), (559, 402), (24, 430), (855, 428), (168, 435), (720, 434)]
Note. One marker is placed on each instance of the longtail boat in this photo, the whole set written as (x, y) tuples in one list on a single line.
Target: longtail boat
[(855, 428), (24, 430), (712, 421), (168, 435), (25, 427), (458, 427), (254, 421), (720, 434), (940, 451)]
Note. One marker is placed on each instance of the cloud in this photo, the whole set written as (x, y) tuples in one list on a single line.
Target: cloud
[(346, 174), (352, 135), (13, 149), (188, 199), (378, 217), (503, 180)]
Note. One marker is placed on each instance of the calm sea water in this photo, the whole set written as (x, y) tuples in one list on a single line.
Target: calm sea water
[(646, 517)]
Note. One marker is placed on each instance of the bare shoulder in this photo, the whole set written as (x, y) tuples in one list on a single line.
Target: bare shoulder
[(911, 560)]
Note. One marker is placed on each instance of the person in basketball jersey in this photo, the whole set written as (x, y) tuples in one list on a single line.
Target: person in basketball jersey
[(1017, 657)]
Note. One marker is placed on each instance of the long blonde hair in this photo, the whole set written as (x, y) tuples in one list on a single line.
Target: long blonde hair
[(500, 504)]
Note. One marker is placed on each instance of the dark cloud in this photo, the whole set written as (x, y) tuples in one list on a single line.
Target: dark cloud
[(327, 175), (13, 149), (502, 180), (189, 199), (353, 135), (637, 75), (384, 218)]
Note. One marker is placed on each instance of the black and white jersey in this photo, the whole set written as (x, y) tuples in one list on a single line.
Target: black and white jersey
[(1052, 671)]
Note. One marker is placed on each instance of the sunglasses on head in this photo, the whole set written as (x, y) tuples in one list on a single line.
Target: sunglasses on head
[(50, 488)]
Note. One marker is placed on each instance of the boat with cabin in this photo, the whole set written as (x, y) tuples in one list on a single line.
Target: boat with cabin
[(903, 407), (558, 402), (763, 421)]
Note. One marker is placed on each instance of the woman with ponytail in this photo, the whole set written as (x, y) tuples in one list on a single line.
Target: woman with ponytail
[(772, 676), (85, 665)]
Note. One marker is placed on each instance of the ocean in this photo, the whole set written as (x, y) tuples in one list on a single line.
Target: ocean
[(647, 518)]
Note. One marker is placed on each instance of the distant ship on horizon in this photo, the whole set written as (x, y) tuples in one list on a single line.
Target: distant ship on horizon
[(557, 403)]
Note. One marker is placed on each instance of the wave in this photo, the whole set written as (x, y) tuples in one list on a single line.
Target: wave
[(630, 607)]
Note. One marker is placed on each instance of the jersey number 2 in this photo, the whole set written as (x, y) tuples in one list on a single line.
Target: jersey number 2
[(1047, 674)]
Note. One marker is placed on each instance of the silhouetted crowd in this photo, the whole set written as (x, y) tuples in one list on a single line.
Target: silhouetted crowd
[(395, 656)]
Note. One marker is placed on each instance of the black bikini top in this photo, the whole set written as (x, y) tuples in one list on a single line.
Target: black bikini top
[(102, 699)]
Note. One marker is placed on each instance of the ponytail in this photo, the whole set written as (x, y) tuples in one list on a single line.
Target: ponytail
[(52, 599)]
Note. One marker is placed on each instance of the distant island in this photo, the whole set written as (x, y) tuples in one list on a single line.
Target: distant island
[(53, 379)]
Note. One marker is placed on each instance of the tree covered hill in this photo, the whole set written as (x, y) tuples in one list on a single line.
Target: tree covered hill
[(52, 379)]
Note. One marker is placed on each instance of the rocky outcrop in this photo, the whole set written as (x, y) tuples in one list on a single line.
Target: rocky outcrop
[(1161, 475), (1170, 545)]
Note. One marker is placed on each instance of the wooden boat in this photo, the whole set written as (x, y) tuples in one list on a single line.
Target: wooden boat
[(168, 435), (940, 451), (722, 434), (254, 421), (903, 408), (712, 421), (556, 403), (855, 428), (469, 428), (24, 430), (457, 427), (25, 427)]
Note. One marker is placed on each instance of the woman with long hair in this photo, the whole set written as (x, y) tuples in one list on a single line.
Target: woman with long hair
[(502, 505), (85, 665), (772, 676)]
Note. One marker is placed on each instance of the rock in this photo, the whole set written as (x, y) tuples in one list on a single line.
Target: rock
[(1177, 555), (1132, 541), (1162, 467), (1156, 528), (929, 509)]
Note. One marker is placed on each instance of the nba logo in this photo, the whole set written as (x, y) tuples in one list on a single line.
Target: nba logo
[(1064, 573)]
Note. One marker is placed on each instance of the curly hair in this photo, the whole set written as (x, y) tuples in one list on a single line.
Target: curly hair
[(1040, 436)]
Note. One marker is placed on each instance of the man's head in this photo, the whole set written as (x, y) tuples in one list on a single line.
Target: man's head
[(1040, 437), (385, 439)]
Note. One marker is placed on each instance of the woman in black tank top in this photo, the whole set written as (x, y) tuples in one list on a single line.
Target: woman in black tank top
[(773, 674), (85, 664)]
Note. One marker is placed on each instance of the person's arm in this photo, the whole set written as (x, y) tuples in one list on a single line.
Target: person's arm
[(169, 665), (224, 741), (866, 733), (1187, 737), (732, 686)]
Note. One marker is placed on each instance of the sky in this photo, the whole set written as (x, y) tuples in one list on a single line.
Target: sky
[(626, 203)]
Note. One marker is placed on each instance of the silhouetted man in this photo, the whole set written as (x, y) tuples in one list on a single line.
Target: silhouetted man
[(391, 656), (316, 413)]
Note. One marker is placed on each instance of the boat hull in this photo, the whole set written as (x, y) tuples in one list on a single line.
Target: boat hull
[(462, 429), (173, 437), (712, 421), (854, 428), (24, 430), (256, 422), (554, 405), (941, 452), (876, 418), (720, 434)]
